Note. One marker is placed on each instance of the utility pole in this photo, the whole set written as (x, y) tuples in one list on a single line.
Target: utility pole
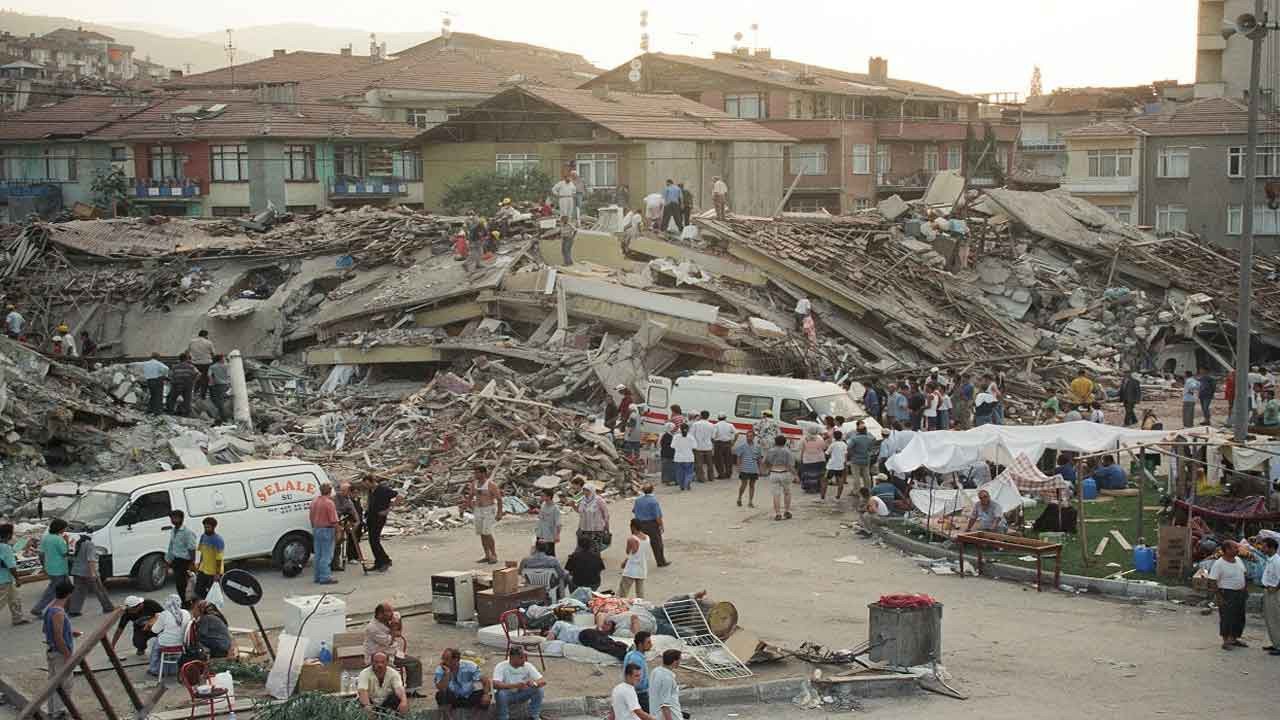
[(1255, 29)]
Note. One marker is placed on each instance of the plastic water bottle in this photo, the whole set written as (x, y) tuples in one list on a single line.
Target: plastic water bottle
[(326, 656)]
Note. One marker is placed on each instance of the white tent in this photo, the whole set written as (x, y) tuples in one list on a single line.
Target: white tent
[(952, 450)]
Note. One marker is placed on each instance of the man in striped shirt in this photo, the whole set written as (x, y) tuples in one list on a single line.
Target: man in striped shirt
[(748, 454)]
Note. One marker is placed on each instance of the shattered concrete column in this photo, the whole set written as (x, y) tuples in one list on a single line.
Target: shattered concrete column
[(239, 391)]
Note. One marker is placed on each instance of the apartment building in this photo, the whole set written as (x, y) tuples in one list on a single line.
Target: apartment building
[(73, 54), (861, 136), (1222, 64), (1181, 169)]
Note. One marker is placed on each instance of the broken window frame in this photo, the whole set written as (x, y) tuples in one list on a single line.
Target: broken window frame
[(861, 164), (300, 157), (511, 164), (1174, 162), (931, 158), (1120, 161), (806, 155), (226, 158), (1165, 215), (60, 166)]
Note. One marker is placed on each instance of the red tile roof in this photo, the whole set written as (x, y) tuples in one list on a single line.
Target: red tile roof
[(808, 78), (245, 117), (298, 66), (72, 118), (1106, 129), (633, 116), (1208, 116)]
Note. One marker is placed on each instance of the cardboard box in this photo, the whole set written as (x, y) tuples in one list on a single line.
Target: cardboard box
[(316, 677), (348, 650), (506, 581), (1173, 556), (1204, 583)]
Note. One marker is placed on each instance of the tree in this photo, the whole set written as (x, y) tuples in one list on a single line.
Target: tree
[(111, 191), (482, 191), (1037, 85)]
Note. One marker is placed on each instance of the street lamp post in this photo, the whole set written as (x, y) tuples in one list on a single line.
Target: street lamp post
[(1253, 27)]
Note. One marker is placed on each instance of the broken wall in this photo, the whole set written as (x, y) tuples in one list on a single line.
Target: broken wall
[(754, 175)]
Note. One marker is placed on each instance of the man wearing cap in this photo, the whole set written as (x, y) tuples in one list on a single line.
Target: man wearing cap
[(14, 322), (138, 612), (722, 435)]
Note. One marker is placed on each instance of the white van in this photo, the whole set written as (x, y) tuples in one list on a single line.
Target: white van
[(744, 398), (261, 507)]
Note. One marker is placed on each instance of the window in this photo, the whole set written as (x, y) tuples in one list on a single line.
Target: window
[(119, 153), (1002, 158), (949, 111), (348, 160), (213, 499), (954, 160), (931, 158), (809, 160), (884, 159), (300, 163), (1268, 161), (752, 406), (1265, 220), (862, 204), (60, 163), (861, 159), (166, 163), (1122, 213), (422, 118), (406, 165), (822, 106), (657, 396), (230, 211), (515, 163), (751, 107), (152, 506), (5, 173), (1171, 217), (300, 209), (230, 163), (1110, 163), (793, 410), (598, 170), (1174, 162)]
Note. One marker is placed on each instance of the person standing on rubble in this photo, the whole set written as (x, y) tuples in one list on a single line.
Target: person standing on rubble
[(154, 372), (1208, 388), (802, 311), (915, 407), (648, 514), (702, 432), (593, 517), (1130, 396), (64, 343), (381, 498), (484, 498), (671, 210), (564, 192), (872, 402), (201, 352), (722, 436), (182, 383), (686, 204), (719, 197), (1190, 394), (568, 233), (14, 322), (1081, 388), (220, 387), (624, 401)]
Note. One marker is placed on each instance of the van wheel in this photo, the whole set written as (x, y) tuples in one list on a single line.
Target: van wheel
[(296, 546), (151, 573)]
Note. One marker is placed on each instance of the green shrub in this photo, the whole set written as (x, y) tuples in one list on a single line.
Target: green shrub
[(482, 191)]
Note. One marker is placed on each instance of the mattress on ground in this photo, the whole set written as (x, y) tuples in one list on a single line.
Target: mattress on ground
[(492, 636)]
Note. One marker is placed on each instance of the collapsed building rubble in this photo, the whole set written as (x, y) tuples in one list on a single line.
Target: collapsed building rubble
[(379, 354)]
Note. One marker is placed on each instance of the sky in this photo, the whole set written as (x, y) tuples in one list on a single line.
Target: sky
[(976, 46)]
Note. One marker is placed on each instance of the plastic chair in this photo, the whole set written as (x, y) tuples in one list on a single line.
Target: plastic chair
[(516, 631), (170, 656), (195, 678), (546, 578)]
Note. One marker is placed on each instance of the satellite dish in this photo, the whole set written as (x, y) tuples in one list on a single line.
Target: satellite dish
[(634, 76), (635, 64)]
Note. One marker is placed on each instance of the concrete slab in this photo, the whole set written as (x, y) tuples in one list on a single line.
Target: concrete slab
[(601, 248), (651, 302), (715, 264), (944, 189), (893, 207)]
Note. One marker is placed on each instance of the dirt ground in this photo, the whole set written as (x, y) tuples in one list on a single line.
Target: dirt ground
[(1015, 651)]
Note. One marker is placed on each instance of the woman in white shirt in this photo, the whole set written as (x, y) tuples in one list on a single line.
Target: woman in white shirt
[(170, 628), (931, 400), (682, 443), (1228, 571)]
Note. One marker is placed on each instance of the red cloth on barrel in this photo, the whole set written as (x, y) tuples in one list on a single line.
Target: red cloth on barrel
[(907, 601)]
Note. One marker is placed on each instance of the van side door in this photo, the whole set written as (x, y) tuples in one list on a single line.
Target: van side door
[(143, 528), (657, 398), (226, 500)]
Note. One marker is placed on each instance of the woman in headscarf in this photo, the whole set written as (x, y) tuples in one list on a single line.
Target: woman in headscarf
[(813, 459), (170, 629), (668, 455), (209, 630)]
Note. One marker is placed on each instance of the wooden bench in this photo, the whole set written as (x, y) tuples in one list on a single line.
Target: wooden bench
[(1000, 541)]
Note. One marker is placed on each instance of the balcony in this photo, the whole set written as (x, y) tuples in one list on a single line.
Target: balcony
[(918, 180), (167, 189), (28, 188), (1100, 185), (1046, 146), (377, 186)]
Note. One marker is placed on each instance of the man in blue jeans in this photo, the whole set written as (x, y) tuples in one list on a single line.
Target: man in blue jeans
[(324, 527), (515, 681)]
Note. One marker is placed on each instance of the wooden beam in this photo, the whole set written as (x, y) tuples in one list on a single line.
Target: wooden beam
[(83, 648)]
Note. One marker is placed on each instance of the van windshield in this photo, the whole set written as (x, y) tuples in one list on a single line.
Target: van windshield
[(840, 405), (93, 510)]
